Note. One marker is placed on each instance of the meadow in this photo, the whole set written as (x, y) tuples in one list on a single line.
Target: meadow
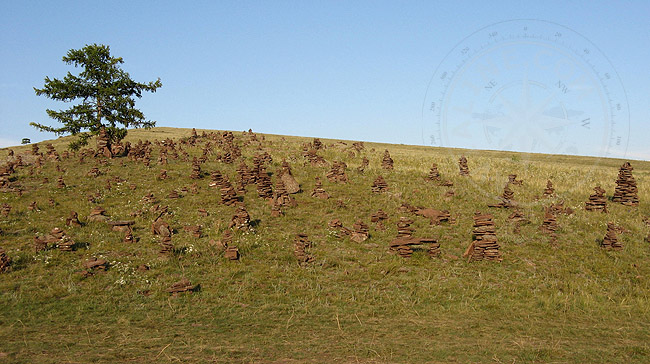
[(568, 301)]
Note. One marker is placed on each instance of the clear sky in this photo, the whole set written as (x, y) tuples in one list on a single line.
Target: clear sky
[(361, 70)]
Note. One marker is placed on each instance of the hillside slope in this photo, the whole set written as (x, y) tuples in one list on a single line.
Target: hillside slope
[(549, 298)]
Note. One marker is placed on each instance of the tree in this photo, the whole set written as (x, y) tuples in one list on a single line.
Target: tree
[(103, 94)]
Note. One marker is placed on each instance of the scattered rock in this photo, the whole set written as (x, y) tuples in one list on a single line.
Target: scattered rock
[(183, 285)]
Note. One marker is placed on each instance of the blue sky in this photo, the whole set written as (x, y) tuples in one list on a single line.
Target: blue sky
[(352, 70)]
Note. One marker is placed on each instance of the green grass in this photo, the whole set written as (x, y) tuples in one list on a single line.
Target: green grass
[(570, 302)]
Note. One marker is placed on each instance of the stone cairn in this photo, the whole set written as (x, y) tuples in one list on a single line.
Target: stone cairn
[(73, 220), (281, 195), (161, 228), (512, 179), (103, 144), (125, 227), (241, 219), (434, 176), (317, 144), (597, 201), (60, 239), (364, 164), (97, 214), (610, 241), (246, 177), (549, 191), (264, 184), (339, 230), (292, 186), (174, 195), (94, 172), (5, 261), (196, 169), (549, 224), (314, 159), (462, 165), (318, 191), (60, 183), (379, 185), (33, 206), (181, 286), (359, 231), (300, 245), (337, 172), (378, 218), (484, 244), (216, 179), (228, 193), (163, 174), (626, 190), (387, 161), (405, 240), (506, 198)]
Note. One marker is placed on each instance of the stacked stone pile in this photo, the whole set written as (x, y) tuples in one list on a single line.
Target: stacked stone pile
[(228, 193), (462, 165), (241, 219), (292, 186), (484, 244), (264, 184), (364, 164), (387, 161), (359, 231), (610, 241), (379, 185), (626, 189), (378, 218), (318, 191), (73, 220), (549, 191), (597, 201), (337, 172), (97, 214), (301, 244)]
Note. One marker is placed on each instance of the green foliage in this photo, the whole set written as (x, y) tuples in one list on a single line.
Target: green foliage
[(104, 96)]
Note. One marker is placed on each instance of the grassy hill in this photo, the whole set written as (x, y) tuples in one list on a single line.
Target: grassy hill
[(568, 301)]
